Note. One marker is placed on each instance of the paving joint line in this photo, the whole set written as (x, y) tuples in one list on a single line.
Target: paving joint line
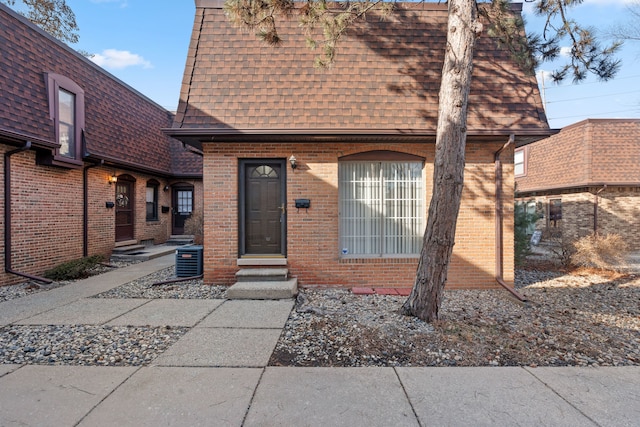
[(530, 372), (253, 395), (107, 396), (404, 390), (126, 312)]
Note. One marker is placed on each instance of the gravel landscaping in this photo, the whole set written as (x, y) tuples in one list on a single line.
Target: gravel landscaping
[(85, 345), (570, 320), (151, 287)]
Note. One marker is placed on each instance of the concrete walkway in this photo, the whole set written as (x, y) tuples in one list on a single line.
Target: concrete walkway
[(216, 375)]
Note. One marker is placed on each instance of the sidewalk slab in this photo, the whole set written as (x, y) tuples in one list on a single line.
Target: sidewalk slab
[(217, 347), (179, 397), (172, 312), (485, 397), (21, 308), (5, 369), (270, 314), (330, 397), (55, 395), (608, 395), (89, 311)]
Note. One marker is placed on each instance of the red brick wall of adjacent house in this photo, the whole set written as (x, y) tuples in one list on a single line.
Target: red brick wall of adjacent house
[(618, 213), (47, 214), (313, 248)]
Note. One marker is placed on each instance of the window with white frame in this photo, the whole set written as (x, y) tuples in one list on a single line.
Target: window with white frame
[(519, 163), (381, 208)]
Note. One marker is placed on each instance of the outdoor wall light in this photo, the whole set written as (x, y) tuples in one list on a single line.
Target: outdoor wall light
[(293, 161), (113, 179), (166, 188)]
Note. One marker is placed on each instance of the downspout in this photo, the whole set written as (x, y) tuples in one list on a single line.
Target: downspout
[(499, 250), (85, 207), (595, 210), (7, 216)]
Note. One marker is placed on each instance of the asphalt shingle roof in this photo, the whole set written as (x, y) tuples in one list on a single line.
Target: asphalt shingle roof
[(386, 76), (121, 125)]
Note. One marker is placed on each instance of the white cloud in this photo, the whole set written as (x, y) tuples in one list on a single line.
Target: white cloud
[(565, 51), (119, 59)]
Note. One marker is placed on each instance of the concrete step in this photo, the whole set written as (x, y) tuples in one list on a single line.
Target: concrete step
[(262, 274), (128, 249), (178, 240), (284, 289), (144, 253)]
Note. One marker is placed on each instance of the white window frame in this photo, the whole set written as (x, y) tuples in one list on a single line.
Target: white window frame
[(520, 163)]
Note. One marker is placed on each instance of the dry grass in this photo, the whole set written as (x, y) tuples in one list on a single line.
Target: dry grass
[(608, 252)]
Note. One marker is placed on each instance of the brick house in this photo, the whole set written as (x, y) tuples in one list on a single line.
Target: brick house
[(86, 165), (586, 178), (328, 171)]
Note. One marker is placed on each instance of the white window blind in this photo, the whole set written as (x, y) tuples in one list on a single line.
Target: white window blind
[(381, 208)]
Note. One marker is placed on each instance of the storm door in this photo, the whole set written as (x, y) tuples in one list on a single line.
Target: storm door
[(262, 207), (124, 208), (182, 208)]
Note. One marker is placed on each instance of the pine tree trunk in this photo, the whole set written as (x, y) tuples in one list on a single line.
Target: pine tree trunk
[(424, 301)]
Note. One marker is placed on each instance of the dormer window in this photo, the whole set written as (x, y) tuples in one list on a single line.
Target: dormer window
[(66, 110)]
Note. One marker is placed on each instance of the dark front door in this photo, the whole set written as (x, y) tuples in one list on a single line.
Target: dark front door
[(124, 209), (264, 208), (182, 208)]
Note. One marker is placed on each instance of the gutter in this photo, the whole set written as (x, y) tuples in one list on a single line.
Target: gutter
[(196, 137), (499, 250), (595, 209), (7, 216), (558, 188)]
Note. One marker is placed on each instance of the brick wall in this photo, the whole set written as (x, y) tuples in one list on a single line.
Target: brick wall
[(618, 212), (47, 214), (313, 248)]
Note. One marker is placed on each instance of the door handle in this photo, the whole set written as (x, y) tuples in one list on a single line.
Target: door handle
[(283, 208)]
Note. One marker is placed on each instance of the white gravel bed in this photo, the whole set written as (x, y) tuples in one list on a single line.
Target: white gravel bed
[(146, 287), (85, 345)]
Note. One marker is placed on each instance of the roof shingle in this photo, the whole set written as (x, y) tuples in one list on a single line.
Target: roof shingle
[(386, 76)]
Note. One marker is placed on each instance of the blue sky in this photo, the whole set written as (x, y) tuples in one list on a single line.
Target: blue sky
[(145, 44)]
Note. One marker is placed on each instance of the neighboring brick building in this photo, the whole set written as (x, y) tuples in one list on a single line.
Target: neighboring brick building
[(67, 128), (584, 179), (362, 136)]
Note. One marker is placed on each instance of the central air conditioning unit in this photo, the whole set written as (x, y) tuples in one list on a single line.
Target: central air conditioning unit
[(189, 261)]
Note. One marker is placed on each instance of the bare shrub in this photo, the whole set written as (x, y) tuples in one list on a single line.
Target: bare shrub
[(608, 252), (561, 248), (194, 225)]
